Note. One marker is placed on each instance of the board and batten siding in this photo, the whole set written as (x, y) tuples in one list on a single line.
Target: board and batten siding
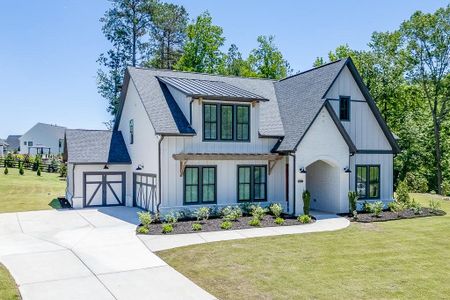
[(363, 128)]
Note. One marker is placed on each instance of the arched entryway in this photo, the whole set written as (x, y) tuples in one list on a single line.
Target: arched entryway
[(323, 181)]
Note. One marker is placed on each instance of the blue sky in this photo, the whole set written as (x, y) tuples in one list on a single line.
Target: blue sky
[(48, 48)]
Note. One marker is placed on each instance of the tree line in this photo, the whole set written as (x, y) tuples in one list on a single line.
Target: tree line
[(406, 71)]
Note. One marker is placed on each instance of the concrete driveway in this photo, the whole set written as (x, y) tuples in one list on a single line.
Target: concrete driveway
[(86, 254)]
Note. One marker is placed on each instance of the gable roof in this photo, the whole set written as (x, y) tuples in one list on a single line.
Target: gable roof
[(168, 119), (3, 143), (58, 130), (95, 146), (13, 142), (210, 89)]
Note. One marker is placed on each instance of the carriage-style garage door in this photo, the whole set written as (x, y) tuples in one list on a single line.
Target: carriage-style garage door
[(144, 191), (104, 188)]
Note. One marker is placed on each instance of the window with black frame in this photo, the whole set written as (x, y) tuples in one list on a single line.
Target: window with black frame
[(210, 122), (368, 181), (252, 183), (344, 108), (200, 184), (131, 131), (226, 122)]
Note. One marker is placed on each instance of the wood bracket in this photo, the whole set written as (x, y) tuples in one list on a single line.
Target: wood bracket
[(182, 167), (272, 164)]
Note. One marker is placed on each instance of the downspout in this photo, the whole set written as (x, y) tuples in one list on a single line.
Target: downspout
[(73, 181), (190, 111), (159, 174), (293, 183)]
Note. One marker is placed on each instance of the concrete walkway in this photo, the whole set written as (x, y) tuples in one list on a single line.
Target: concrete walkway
[(86, 254), (325, 222)]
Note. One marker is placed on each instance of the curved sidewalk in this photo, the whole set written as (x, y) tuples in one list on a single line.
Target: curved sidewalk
[(325, 222)]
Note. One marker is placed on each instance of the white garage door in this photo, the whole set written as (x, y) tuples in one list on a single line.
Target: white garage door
[(144, 191), (103, 188)]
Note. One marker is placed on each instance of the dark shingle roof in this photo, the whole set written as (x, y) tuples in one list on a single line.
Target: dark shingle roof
[(167, 118), (210, 89), (96, 146), (300, 98), (13, 142)]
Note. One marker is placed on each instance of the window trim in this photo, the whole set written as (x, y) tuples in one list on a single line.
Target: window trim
[(200, 184), (348, 99), (252, 184), (131, 128), (367, 167), (219, 123)]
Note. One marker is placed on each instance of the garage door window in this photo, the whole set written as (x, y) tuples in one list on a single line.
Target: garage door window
[(200, 184)]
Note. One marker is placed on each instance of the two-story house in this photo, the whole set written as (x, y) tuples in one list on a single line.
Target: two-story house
[(183, 140)]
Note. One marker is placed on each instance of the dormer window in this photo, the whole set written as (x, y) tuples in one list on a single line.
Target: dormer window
[(131, 131), (344, 108), (226, 122)]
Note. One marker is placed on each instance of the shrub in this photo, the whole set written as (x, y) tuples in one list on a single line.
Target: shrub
[(5, 171), (172, 217), (145, 218), (37, 163), (366, 207), (415, 206), (304, 219), (21, 170), (416, 182), (196, 227), (143, 230), (376, 208), (202, 213), (435, 205), (38, 172), (402, 193), (355, 214), (254, 222), (306, 202), (279, 221), (352, 198), (167, 228), (445, 187), (246, 207), (9, 160), (276, 209), (63, 170), (226, 225), (258, 212), (231, 214), (396, 206)]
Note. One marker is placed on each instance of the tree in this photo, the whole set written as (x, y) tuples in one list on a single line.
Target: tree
[(318, 62), (235, 65), (124, 25), (201, 52), (167, 34), (267, 61), (427, 38)]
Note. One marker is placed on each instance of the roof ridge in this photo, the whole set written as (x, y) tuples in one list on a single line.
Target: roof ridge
[(315, 68), (74, 129), (202, 73)]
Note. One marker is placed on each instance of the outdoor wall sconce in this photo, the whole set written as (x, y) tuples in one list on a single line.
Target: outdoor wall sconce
[(105, 167), (302, 170), (347, 170), (139, 167)]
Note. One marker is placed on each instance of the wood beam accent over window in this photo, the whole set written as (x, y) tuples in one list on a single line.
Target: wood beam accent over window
[(272, 158)]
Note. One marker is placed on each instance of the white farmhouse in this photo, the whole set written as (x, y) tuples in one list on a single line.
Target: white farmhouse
[(183, 140), (3, 147), (43, 139)]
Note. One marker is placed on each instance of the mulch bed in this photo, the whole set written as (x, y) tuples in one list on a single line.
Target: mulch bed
[(213, 224), (364, 217)]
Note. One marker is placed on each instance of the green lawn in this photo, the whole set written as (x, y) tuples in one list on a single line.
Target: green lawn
[(397, 259), (8, 288), (29, 192)]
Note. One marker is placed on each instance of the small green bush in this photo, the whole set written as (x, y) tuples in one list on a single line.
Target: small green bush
[(435, 205), (366, 207), (172, 217), (226, 225), (5, 171), (377, 208), (276, 209), (255, 222), (62, 170), (279, 221), (304, 219), (231, 213), (352, 199), (415, 206), (145, 218), (196, 227), (306, 202), (167, 228), (416, 182), (143, 230), (246, 207), (21, 170), (202, 213), (38, 173), (396, 206), (402, 193), (258, 212)]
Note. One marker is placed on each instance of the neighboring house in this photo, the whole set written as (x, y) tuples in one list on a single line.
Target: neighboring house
[(3, 147), (43, 139), (183, 140), (13, 143)]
